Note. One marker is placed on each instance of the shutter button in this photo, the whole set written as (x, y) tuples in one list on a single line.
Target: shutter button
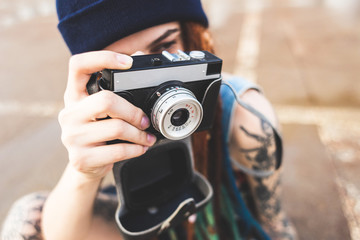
[(197, 54)]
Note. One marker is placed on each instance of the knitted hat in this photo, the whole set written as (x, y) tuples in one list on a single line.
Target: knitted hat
[(89, 25)]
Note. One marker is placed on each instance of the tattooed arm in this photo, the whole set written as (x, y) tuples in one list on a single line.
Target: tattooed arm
[(252, 144)]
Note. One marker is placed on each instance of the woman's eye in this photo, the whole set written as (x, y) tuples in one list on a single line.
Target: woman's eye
[(163, 46)]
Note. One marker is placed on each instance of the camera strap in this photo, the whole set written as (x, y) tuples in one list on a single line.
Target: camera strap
[(277, 136)]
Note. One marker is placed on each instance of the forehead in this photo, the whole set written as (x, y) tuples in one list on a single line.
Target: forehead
[(139, 41)]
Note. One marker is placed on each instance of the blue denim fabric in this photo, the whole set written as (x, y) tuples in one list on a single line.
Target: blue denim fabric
[(249, 224), (227, 97)]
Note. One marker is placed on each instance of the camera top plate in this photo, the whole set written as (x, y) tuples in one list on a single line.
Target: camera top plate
[(152, 70)]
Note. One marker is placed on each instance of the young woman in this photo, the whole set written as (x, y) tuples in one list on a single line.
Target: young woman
[(104, 34)]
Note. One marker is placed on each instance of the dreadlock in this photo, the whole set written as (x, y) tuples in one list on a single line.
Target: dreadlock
[(207, 148)]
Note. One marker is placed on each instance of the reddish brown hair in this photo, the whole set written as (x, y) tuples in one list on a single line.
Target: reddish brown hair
[(196, 37), (206, 145)]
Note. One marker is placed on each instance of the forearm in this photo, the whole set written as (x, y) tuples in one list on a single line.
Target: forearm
[(257, 152), (253, 146), (68, 211)]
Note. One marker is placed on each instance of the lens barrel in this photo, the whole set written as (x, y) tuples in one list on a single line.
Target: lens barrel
[(177, 113), (180, 117)]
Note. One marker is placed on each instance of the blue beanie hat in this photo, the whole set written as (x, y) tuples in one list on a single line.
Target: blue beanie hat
[(89, 25)]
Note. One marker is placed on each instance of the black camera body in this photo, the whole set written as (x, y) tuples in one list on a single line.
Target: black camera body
[(178, 92)]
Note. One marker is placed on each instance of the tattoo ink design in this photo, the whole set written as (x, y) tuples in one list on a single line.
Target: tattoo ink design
[(266, 190), (268, 199), (263, 157), (260, 157), (24, 219), (105, 204)]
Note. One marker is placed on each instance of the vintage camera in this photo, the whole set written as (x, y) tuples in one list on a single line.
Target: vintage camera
[(178, 91)]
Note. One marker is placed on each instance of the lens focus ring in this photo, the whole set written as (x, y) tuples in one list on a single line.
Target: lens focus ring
[(177, 113)]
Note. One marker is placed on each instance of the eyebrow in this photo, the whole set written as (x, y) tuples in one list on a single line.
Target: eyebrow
[(162, 37)]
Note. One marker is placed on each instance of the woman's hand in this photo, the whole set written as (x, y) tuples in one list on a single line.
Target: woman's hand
[(83, 134)]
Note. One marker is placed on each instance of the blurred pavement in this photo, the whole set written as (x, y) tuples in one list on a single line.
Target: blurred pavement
[(304, 53)]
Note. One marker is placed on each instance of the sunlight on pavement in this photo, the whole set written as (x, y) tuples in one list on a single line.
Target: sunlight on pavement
[(34, 109), (339, 130), (14, 12), (335, 123), (350, 198)]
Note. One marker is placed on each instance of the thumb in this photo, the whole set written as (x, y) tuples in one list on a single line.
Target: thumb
[(81, 66), (138, 53)]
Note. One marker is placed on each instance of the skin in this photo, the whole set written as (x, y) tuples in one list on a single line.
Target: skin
[(84, 136), (252, 144), (68, 211)]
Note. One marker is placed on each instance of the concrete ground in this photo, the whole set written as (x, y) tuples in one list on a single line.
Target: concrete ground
[(304, 53)]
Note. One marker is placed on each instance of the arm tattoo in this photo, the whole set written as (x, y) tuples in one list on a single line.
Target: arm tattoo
[(266, 191), (268, 199), (24, 219), (261, 157), (105, 206)]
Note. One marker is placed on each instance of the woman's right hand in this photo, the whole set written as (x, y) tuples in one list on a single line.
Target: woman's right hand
[(83, 134)]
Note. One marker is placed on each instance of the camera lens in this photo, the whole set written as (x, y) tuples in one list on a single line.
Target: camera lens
[(179, 117), (177, 113)]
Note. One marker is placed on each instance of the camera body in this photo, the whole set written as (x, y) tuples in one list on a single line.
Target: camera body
[(178, 92)]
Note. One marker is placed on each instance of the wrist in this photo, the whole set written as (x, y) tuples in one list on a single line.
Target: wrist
[(70, 206), (80, 179)]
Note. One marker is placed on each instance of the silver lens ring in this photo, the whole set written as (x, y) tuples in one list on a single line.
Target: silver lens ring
[(163, 113)]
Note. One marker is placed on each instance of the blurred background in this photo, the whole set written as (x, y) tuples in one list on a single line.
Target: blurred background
[(304, 53)]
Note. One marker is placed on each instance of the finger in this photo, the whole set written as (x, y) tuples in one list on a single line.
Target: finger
[(138, 53), (111, 129), (192, 219), (106, 103), (108, 154), (81, 66)]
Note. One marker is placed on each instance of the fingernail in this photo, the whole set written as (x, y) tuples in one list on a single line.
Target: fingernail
[(192, 218), (151, 138), (124, 59), (146, 148), (145, 122), (138, 53)]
